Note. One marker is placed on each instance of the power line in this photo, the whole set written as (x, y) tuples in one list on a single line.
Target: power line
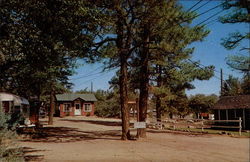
[(201, 6), (212, 21), (199, 64), (210, 17), (93, 78), (208, 10), (194, 5), (89, 74), (198, 14)]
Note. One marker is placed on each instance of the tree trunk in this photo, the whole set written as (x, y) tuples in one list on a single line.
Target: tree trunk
[(144, 82), (158, 98), (158, 108), (124, 101), (52, 107), (123, 80)]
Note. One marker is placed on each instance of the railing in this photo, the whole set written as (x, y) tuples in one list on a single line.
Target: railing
[(160, 124), (223, 126)]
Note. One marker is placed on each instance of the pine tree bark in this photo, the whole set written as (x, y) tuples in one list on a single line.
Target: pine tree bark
[(124, 100), (123, 79), (52, 107), (144, 82)]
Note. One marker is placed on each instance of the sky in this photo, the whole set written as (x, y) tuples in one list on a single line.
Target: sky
[(208, 52)]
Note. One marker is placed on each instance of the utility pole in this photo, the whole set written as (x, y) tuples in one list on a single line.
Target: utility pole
[(91, 87), (221, 82)]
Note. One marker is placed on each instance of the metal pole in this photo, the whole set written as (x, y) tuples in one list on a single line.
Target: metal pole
[(134, 107), (202, 124), (226, 114), (137, 115), (1, 107), (243, 118), (91, 87), (219, 114), (240, 125), (137, 109), (221, 82)]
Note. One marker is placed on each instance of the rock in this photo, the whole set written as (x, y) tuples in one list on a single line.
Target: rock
[(190, 121)]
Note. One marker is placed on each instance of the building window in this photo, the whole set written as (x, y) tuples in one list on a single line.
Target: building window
[(87, 107), (67, 107)]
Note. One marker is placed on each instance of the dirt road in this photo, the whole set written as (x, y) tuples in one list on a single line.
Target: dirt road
[(95, 139)]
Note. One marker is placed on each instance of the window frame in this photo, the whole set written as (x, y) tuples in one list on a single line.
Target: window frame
[(89, 107), (69, 108)]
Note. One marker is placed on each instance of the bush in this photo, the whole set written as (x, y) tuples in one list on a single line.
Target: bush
[(108, 108), (9, 151)]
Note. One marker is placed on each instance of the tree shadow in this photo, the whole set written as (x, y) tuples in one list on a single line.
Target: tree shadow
[(29, 157), (98, 122), (66, 134)]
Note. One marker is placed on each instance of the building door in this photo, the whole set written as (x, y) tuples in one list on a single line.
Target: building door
[(77, 109)]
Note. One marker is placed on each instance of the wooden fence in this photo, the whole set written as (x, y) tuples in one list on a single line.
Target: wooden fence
[(223, 126), (159, 125)]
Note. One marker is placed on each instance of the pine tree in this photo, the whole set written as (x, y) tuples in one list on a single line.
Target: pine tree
[(40, 42), (164, 32), (239, 12)]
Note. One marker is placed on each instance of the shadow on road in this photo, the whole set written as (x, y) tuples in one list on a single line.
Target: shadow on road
[(98, 122), (66, 134), (28, 156)]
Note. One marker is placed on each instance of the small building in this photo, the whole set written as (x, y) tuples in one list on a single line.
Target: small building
[(10, 104), (73, 104), (233, 107)]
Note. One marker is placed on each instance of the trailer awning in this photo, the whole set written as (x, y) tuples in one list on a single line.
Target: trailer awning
[(13, 98)]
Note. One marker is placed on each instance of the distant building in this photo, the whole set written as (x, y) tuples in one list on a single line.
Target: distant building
[(233, 107), (73, 104)]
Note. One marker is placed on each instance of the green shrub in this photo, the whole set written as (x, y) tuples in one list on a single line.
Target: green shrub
[(108, 108), (88, 114), (9, 151)]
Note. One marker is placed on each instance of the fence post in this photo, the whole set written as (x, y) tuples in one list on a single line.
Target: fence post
[(240, 125), (202, 124)]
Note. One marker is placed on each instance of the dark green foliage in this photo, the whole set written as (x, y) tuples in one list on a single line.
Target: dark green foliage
[(169, 35), (39, 42), (239, 12), (239, 62), (108, 104), (9, 151), (201, 103), (235, 86), (232, 87), (245, 85)]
